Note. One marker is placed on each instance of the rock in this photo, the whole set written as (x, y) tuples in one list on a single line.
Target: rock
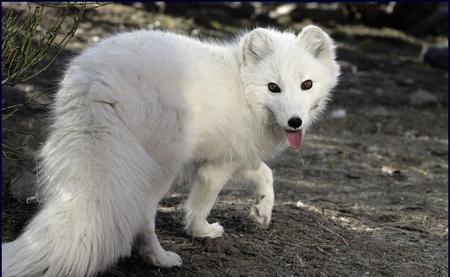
[(373, 149), (348, 68), (436, 56), (390, 170), (439, 152), (404, 82), (422, 98), (379, 91), (284, 9), (338, 114), (421, 19), (24, 187), (352, 176), (378, 111)]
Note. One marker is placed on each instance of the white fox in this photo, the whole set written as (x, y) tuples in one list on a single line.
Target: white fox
[(133, 110)]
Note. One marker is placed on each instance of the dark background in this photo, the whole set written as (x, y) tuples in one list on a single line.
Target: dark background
[(368, 193)]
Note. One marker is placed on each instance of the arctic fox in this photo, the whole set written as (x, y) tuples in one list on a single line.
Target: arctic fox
[(133, 110)]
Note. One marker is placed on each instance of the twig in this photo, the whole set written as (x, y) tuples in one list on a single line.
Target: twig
[(331, 231)]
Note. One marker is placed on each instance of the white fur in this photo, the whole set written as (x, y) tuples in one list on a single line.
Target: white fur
[(134, 110)]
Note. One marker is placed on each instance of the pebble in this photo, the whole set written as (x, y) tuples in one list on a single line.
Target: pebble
[(282, 10), (379, 91), (390, 170), (422, 98), (373, 149), (378, 111), (338, 113)]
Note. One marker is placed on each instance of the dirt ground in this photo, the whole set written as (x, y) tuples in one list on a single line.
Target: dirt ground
[(366, 196)]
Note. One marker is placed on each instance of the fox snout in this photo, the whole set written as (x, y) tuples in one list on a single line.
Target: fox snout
[(295, 122)]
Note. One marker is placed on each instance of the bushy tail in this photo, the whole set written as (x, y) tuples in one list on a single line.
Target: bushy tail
[(96, 179)]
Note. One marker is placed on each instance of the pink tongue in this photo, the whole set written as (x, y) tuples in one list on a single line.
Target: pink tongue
[(294, 139)]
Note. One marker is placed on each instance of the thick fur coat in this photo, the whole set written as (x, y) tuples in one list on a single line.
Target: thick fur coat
[(133, 110)]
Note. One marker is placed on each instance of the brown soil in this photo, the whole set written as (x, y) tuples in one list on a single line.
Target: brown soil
[(366, 196)]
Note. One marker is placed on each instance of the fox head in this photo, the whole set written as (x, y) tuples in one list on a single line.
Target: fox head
[(288, 78)]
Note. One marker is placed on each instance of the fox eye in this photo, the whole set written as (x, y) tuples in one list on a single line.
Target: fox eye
[(306, 85), (274, 87)]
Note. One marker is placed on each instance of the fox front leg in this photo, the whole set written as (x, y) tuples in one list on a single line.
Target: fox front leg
[(209, 182), (262, 177)]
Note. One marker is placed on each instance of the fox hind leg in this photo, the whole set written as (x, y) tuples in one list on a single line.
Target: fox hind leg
[(150, 248)]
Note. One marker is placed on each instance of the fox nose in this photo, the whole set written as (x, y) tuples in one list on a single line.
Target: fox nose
[(295, 122)]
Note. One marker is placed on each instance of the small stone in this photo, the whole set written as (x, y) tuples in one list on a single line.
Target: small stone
[(338, 114), (390, 170), (282, 10), (408, 81), (300, 204), (353, 176), (422, 98), (373, 149), (439, 152), (378, 111), (379, 91)]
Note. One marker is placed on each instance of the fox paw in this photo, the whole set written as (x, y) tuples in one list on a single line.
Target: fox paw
[(261, 213), (164, 259), (214, 230)]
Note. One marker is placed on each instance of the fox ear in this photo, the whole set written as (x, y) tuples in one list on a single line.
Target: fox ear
[(255, 46), (318, 43)]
